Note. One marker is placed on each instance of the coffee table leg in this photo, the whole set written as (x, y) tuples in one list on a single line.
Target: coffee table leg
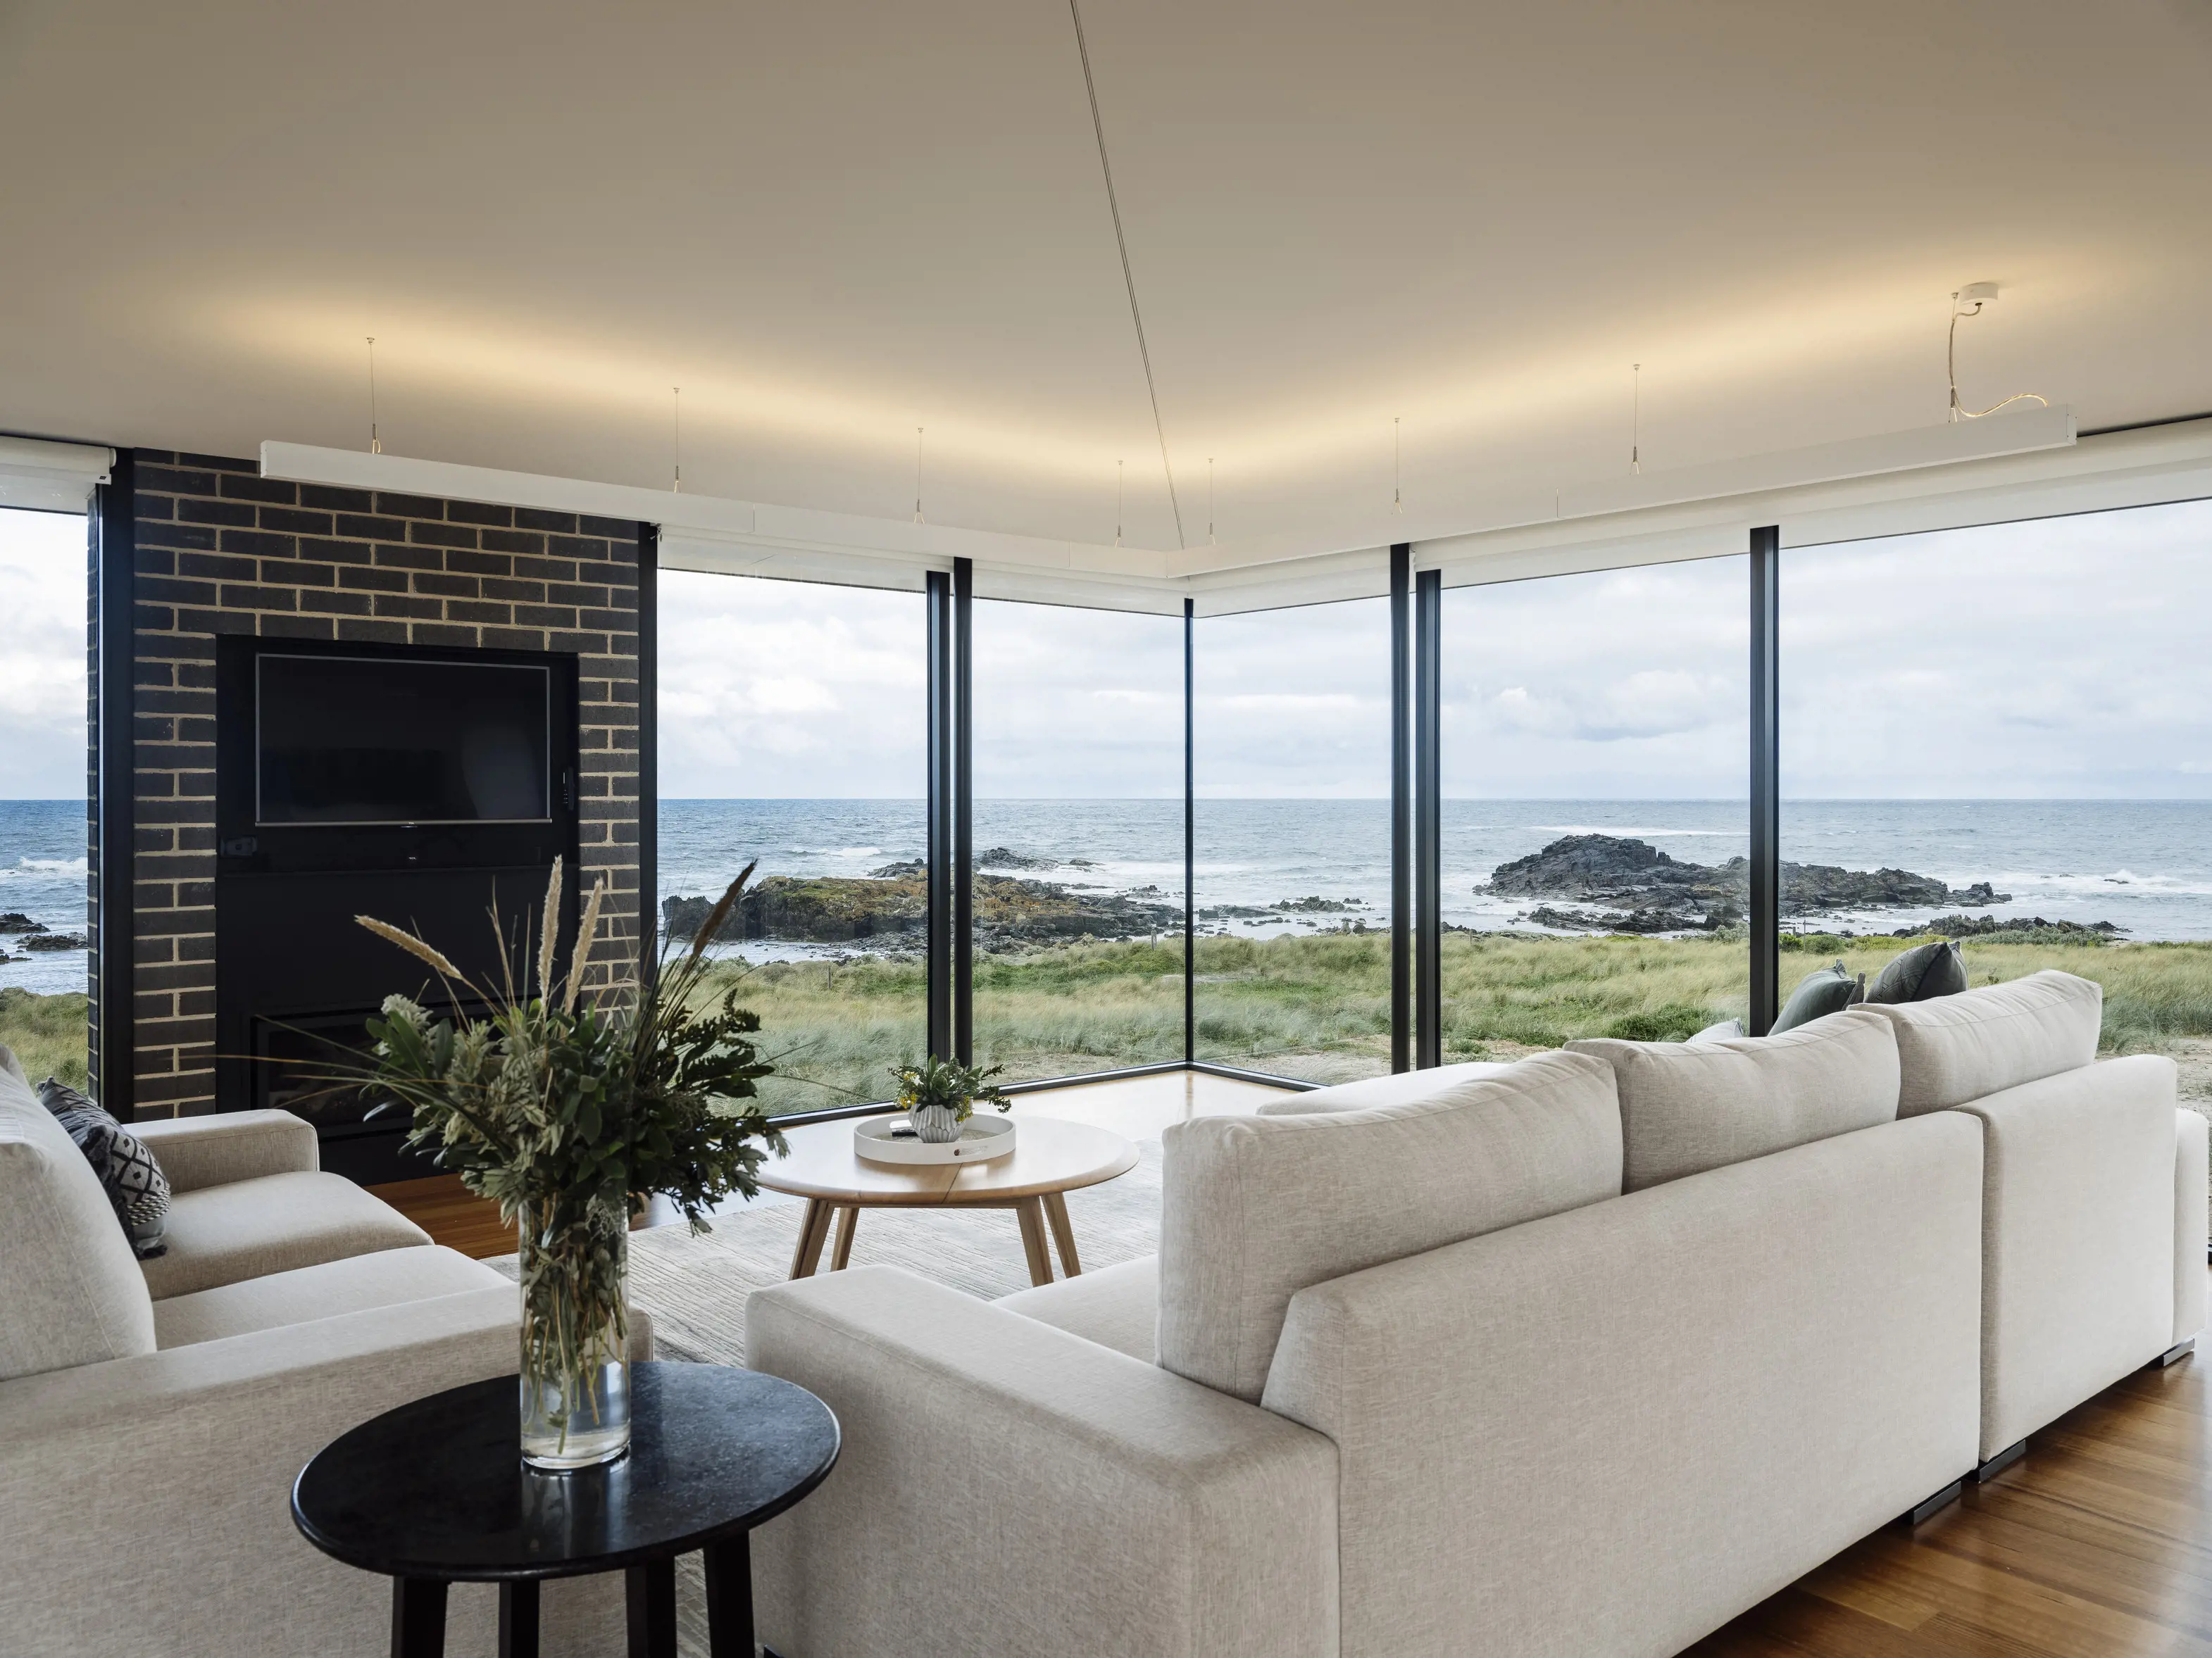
[(518, 1618), (813, 1232), (1063, 1231), (1032, 1217), (848, 1222), (730, 1598), (418, 1617), (652, 1593)]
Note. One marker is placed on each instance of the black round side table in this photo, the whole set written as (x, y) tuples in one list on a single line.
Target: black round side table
[(436, 1492)]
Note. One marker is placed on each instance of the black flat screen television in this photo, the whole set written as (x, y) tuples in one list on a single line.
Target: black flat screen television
[(363, 741)]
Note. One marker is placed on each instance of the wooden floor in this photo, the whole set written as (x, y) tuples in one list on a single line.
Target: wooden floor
[(2097, 1545)]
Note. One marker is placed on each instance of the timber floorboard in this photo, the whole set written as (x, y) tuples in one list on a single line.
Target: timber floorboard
[(452, 1215), (2098, 1544)]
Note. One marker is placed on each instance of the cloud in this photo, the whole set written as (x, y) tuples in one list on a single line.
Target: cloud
[(42, 656)]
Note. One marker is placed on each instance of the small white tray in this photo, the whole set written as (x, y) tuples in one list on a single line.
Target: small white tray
[(889, 1139)]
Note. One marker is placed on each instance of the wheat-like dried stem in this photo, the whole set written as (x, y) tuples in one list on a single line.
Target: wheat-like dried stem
[(413, 945), (550, 928), (585, 934)]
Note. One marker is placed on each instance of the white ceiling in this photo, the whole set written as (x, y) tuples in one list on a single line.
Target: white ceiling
[(832, 222)]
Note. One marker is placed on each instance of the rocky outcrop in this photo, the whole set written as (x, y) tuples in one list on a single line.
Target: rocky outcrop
[(43, 940), (1633, 876), (1649, 919), (2030, 928), (15, 920), (894, 911)]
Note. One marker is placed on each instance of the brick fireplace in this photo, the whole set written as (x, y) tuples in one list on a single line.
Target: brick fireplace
[(214, 549)]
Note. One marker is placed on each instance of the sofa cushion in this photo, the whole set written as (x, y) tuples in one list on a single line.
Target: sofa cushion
[(389, 1278), (136, 1188), (1824, 990), (1402, 1089), (1686, 1107), (71, 1291), (1921, 974), (252, 1228), (1960, 1048), (1255, 1208), (1117, 1307)]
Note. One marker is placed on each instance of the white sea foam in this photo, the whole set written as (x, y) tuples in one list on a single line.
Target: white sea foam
[(1639, 834), (53, 865)]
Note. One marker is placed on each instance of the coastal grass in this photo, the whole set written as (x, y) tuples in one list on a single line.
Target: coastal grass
[(47, 1033), (1316, 1007)]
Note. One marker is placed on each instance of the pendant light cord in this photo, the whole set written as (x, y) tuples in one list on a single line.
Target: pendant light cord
[(1129, 277)]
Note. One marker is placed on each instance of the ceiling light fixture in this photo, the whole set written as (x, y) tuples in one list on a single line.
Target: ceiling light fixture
[(1969, 301), (376, 445), (1636, 419)]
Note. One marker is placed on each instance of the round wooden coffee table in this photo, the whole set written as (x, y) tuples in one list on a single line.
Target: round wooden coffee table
[(1051, 1159)]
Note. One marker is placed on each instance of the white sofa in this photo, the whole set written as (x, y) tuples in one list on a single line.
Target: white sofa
[(153, 1415), (1582, 1356)]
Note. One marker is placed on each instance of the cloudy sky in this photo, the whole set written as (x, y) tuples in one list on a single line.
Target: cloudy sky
[(2057, 659)]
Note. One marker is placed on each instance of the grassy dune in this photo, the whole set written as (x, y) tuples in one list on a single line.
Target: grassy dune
[(47, 1034)]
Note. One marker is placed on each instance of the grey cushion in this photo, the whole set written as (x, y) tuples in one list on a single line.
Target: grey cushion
[(1255, 1208), (1958, 1048), (389, 1278), (1686, 1107), (134, 1182), (251, 1227), (1723, 1030), (1818, 993), (71, 1291), (1920, 974)]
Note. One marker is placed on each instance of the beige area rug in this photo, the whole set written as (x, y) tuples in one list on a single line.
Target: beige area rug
[(695, 1287)]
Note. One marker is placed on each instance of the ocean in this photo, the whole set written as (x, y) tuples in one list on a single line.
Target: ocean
[(2144, 865)]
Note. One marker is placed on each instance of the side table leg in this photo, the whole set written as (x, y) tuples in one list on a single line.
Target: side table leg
[(418, 1617), (518, 1618), (652, 1594), (730, 1598), (1063, 1232), (813, 1232), (1032, 1217), (848, 1222)]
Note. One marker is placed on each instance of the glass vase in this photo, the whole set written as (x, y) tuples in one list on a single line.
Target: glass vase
[(575, 1362)]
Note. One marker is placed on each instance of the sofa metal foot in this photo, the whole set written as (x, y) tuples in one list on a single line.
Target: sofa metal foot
[(1926, 1508), (2176, 1353), (1997, 1464)]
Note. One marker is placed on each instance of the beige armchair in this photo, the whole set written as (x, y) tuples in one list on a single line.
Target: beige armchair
[(153, 1415)]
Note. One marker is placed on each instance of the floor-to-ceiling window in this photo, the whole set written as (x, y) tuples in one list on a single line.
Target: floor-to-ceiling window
[(2002, 735), (1293, 756), (1078, 820), (42, 791), (791, 733), (1594, 762)]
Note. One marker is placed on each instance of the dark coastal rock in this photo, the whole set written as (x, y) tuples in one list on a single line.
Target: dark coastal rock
[(1989, 926), (1651, 919), (830, 909), (15, 920), (895, 871), (1006, 858), (1630, 876), (43, 940), (1316, 906)]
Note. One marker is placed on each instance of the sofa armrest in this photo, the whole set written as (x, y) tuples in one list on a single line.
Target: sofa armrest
[(1007, 1487), (175, 1468), (2078, 1238), (229, 1145), (2192, 1152)]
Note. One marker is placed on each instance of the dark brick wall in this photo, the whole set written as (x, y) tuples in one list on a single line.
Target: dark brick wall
[(221, 550)]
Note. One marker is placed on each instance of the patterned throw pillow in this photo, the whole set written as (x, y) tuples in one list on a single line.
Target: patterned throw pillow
[(134, 1182)]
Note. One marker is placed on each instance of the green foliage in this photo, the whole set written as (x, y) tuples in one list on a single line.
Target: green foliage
[(948, 1085), (46, 1033), (1671, 1023)]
